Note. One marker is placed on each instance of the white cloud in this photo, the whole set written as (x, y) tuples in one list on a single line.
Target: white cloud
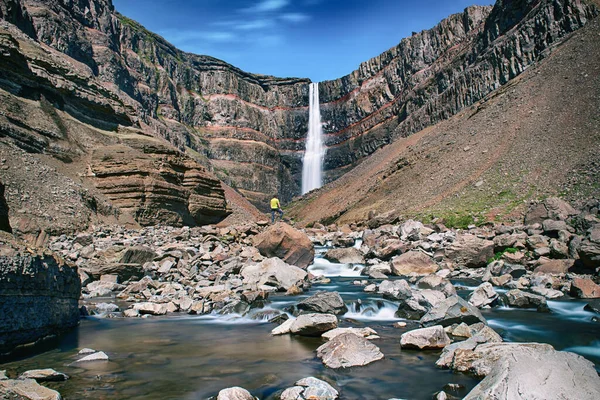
[(180, 37), (267, 6), (294, 17), (253, 25)]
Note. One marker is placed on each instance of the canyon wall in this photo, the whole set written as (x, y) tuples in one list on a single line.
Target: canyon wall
[(39, 294), (248, 129)]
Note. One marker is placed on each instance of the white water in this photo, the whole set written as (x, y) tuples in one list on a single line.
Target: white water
[(323, 267), (373, 310), (312, 163)]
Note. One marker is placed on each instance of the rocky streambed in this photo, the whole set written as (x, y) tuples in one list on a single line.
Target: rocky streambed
[(391, 311)]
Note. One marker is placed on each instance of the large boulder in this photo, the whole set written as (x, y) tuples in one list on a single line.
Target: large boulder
[(39, 294), (287, 243), (413, 263), (433, 337), (348, 255), (548, 266), (395, 290), (551, 208), (138, 255), (589, 249), (348, 350), (26, 389), (366, 332), (273, 273), (309, 389), (584, 289), (313, 324), (470, 251), (4, 222), (436, 282), (324, 303), (453, 310), (528, 371)]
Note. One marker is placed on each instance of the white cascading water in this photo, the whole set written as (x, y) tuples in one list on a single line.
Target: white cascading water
[(312, 163)]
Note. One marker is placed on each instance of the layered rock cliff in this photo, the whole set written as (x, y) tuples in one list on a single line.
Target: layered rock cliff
[(39, 294), (109, 72)]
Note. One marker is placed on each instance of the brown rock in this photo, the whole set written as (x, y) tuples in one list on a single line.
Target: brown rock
[(470, 251), (413, 263), (585, 289), (555, 266), (287, 243)]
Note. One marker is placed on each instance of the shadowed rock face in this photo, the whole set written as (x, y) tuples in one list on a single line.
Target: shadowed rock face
[(4, 222), (39, 295), (251, 128)]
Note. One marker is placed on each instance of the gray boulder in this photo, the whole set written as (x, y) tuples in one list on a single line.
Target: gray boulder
[(348, 255), (273, 273), (436, 282), (483, 296), (26, 389), (44, 375), (538, 374), (470, 251), (348, 350), (453, 310), (433, 337), (235, 393), (324, 303), (310, 388), (395, 290), (313, 324), (519, 299), (413, 263)]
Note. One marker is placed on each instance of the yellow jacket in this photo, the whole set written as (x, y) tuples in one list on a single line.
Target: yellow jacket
[(275, 203)]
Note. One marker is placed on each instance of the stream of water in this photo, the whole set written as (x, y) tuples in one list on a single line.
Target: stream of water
[(193, 357), (312, 162)]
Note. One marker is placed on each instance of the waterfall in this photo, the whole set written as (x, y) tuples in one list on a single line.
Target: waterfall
[(312, 163)]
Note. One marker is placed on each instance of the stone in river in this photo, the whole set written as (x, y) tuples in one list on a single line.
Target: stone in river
[(26, 389), (532, 371), (324, 303), (483, 296), (453, 310), (433, 337), (283, 328), (593, 306), (348, 255), (235, 393), (519, 299), (151, 308), (313, 324), (310, 388), (273, 272), (348, 350), (97, 356), (413, 263), (44, 375), (366, 332)]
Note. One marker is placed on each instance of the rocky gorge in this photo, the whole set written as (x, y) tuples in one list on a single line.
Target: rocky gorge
[(135, 264), (87, 69), (405, 288)]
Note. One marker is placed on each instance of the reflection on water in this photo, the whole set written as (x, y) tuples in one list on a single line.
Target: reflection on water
[(193, 357)]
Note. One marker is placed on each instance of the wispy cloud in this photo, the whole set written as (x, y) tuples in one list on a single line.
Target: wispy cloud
[(294, 17), (254, 24), (181, 37), (267, 6)]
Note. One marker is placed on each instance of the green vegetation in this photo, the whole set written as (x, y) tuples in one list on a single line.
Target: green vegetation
[(499, 254)]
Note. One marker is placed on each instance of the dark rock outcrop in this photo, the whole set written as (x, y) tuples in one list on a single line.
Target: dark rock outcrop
[(4, 222), (39, 295)]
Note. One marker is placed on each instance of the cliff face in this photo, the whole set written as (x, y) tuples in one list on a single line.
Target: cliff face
[(250, 129), (39, 294), (435, 74)]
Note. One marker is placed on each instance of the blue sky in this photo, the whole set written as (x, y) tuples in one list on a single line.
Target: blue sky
[(316, 39)]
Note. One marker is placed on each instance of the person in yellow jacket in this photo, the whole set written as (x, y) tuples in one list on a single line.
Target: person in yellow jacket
[(275, 208)]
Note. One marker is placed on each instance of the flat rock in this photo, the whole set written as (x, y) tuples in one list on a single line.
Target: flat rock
[(313, 324), (151, 308), (367, 333), (348, 350), (26, 389), (284, 328), (97, 356), (44, 375), (433, 337)]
